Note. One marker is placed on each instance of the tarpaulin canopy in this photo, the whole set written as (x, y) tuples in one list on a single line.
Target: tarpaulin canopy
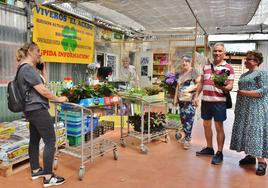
[(148, 16)]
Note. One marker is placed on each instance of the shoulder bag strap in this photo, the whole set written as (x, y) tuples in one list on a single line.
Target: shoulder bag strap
[(212, 68)]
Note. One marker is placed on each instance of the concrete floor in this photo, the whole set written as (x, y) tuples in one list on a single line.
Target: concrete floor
[(167, 165)]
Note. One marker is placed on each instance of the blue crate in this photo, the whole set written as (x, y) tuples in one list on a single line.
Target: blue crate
[(70, 116), (73, 117), (66, 107), (74, 129)]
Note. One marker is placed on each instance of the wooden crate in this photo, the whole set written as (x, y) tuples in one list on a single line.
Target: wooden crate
[(14, 167)]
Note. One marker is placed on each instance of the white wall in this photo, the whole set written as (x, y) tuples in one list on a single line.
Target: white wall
[(263, 48)]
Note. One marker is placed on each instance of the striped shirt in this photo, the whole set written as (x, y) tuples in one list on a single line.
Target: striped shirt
[(210, 92)]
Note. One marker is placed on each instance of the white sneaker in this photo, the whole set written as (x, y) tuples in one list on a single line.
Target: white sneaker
[(186, 144), (182, 140), (54, 180)]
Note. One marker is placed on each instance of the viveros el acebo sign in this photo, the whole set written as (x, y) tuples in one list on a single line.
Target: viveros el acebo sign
[(62, 38)]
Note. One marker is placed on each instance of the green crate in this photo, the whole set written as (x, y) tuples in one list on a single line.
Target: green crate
[(74, 140)]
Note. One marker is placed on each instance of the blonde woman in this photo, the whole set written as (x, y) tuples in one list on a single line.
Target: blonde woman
[(36, 112)]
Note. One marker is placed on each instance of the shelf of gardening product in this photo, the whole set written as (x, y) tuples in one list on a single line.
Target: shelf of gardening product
[(147, 126), (83, 134), (160, 66), (14, 143)]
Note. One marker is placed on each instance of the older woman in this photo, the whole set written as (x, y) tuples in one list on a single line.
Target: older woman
[(128, 73), (250, 129), (185, 90), (36, 112)]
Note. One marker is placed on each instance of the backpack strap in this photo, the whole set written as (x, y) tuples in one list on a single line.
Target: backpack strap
[(26, 92), (19, 70)]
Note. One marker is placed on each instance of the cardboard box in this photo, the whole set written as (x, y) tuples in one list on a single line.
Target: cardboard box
[(92, 102), (108, 101), (115, 119)]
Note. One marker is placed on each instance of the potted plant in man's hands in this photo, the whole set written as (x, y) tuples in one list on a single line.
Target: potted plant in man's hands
[(220, 77)]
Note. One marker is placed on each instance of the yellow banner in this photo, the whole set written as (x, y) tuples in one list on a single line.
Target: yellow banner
[(62, 38)]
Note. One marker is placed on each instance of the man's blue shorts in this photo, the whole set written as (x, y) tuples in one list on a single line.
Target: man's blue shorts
[(216, 110)]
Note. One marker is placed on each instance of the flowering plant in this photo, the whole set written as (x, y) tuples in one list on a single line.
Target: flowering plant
[(170, 82), (83, 91), (219, 77)]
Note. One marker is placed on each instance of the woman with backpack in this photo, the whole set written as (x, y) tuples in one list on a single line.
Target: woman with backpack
[(36, 112)]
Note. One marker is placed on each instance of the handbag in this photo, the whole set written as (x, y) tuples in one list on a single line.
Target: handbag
[(229, 103)]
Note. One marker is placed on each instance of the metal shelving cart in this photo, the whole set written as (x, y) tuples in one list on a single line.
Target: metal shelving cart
[(142, 136), (173, 123), (87, 151)]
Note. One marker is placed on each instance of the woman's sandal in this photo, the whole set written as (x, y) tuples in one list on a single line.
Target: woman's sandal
[(261, 170), (248, 160)]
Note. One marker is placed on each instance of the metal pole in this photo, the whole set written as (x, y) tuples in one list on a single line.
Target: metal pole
[(142, 124), (195, 36), (149, 122), (28, 12)]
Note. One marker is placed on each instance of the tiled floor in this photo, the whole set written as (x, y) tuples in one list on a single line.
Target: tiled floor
[(167, 165)]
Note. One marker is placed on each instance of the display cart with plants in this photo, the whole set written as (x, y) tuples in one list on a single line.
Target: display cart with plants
[(82, 130), (147, 125), (173, 119), (76, 145)]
